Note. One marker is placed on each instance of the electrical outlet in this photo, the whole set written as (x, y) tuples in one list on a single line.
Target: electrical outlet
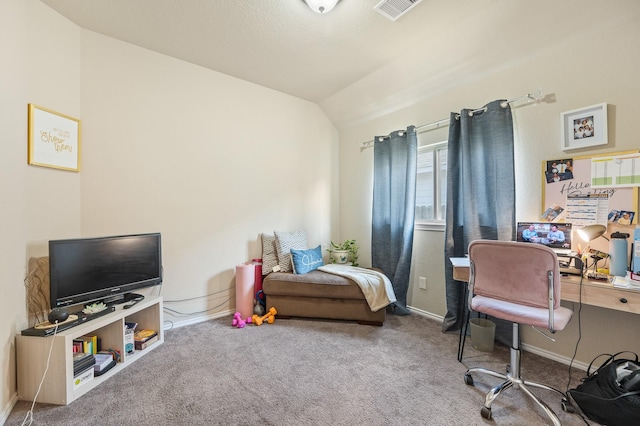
[(422, 283)]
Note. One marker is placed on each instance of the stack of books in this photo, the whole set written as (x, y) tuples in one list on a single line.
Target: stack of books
[(82, 362), (104, 363), (144, 338), (87, 344)]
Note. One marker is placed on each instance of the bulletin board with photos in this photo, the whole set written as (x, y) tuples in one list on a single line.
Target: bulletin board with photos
[(570, 195)]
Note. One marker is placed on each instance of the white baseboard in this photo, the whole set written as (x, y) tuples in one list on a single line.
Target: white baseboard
[(9, 408), (426, 314), (529, 348), (554, 356), (191, 321)]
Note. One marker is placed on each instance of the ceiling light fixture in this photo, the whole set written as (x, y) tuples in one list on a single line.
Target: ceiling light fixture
[(321, 6)]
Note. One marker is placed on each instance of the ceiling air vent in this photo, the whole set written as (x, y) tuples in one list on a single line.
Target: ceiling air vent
[(394, 9)]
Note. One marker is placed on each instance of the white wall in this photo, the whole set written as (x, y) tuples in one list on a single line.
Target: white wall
[(208, 160), (605, 33), (12, 191), (41, 65)]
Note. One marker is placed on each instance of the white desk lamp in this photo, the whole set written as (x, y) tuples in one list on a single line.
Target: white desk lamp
[(589, 233)]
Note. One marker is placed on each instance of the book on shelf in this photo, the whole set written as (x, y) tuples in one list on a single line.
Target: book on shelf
[(115, 354), (80, 357), (140, 345), (105, 369), (86, 344), (82, 378), (104, 362), (90, 344), (144, 335), (82, 362), (80, 371)]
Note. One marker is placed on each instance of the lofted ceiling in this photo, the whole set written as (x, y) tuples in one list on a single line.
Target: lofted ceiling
[(280, 44), (352, 61)]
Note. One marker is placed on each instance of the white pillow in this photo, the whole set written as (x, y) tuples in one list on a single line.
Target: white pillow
[(285, 241), (269, 255)]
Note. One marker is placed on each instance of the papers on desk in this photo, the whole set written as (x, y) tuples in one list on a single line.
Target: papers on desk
[(626, 282), (460, 262)]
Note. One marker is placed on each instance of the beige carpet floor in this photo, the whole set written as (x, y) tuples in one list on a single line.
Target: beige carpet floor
[(309, 372)]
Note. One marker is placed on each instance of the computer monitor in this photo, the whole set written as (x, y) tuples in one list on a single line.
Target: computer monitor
[(554, 235)]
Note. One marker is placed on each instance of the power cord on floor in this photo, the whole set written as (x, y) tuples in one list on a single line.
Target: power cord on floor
[(28, 419), (200, 297), (179, 313), (566, 400), (575, 351), (176, 312)]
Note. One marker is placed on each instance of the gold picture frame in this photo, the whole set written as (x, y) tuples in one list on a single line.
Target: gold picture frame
[(54, 139)]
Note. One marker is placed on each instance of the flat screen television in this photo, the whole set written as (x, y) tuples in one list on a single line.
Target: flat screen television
[(559, 240), (105, 268)]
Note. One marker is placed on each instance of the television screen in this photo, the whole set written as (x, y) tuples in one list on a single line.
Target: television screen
[(105, 268), (554, 235)]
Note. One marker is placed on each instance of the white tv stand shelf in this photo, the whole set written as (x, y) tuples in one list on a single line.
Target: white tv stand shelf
[(58, 385)]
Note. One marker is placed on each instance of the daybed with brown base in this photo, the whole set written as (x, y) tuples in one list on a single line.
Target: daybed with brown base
[(319, 294)]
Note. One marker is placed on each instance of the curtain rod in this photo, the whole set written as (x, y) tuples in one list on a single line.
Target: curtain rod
[(533, 96)]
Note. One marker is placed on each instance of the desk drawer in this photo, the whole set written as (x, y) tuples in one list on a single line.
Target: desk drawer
[(603, 295)]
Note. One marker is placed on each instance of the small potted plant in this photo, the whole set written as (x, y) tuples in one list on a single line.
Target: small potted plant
[(344, 252)]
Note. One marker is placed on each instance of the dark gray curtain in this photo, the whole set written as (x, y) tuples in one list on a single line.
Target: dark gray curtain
[(480, 191), (394, 195)]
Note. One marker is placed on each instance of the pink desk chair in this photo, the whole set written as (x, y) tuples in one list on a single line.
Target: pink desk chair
[(516, 282)]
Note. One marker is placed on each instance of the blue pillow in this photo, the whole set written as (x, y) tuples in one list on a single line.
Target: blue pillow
[(306, 260)]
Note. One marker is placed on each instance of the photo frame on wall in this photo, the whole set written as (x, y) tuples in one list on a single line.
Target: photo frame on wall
[(584, 127), (54, 139)]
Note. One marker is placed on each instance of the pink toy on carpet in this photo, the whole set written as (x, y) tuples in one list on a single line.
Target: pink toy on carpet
[(239, 322)]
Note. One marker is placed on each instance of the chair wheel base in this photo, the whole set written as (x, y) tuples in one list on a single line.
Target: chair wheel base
[(468, 379), (567, 407), (486, 413)]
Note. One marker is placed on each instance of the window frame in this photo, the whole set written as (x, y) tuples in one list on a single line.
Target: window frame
[(433, 224)]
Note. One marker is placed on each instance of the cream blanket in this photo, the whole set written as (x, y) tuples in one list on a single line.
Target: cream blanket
[(375, 286)]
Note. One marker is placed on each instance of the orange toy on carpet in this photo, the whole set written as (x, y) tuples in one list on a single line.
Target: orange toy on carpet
[(270, 317)]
